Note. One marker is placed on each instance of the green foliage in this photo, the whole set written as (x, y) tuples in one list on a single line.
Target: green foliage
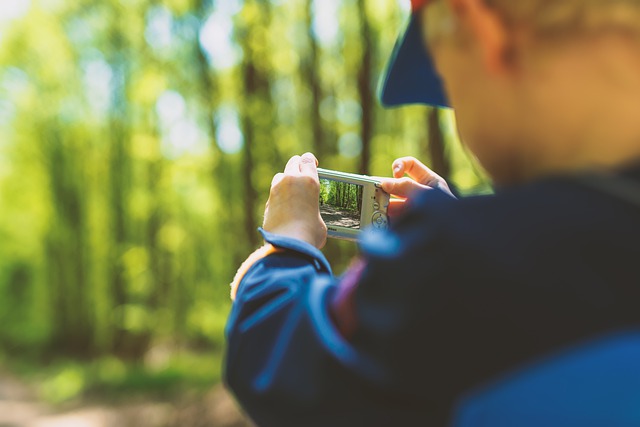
[(110, 378), (138, 140), (341, 195)]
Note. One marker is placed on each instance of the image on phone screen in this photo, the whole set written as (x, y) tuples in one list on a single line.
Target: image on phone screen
[(340, 203)]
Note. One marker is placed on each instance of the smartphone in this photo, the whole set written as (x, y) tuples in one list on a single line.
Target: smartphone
[(350, 203)]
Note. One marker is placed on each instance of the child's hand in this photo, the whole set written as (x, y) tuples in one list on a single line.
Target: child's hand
[(293, 206), (403, 188)]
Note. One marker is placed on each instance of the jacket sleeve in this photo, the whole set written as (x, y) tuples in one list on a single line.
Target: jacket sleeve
[(286, 361)]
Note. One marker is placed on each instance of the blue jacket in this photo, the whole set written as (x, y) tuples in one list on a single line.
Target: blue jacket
[(518, 309)]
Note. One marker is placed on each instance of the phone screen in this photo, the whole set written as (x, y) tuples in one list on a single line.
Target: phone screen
[(340, 203)]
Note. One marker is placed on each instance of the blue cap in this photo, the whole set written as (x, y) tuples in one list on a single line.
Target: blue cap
[(411, 77)]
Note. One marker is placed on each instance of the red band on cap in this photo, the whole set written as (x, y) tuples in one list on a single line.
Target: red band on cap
[(416, 5)]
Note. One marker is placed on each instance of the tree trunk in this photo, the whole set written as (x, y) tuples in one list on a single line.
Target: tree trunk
[(125, 343), (206, 82), (365, 91), (312, 77), (257, 118), (252, 88), (67, 249)]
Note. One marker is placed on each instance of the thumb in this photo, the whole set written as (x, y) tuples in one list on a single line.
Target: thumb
[(309, 165), (402, 187)]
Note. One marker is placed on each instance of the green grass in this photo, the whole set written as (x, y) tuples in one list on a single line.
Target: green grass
[(110, 379)]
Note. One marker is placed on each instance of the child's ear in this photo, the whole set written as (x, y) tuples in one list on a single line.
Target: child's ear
[(488, 32)]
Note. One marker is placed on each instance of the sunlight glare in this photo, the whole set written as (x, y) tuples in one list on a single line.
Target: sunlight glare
[(350, 145), (171, 107), (216, 38), (326, 21), (229, 135), (97, 81), (159, 30), (184, 137), (13, 9)]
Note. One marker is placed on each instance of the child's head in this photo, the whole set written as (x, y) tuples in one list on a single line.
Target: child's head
[(529, 79), (549, 18)]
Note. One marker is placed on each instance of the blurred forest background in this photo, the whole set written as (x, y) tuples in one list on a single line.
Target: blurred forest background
[(138, 139)]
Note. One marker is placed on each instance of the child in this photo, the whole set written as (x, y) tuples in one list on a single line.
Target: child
[(510, 310)]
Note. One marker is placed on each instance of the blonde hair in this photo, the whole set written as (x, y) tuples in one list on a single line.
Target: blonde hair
[(560, 17), (550, 17)]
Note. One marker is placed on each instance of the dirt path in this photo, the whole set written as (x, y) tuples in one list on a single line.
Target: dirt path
[(19, 407), (337, 217)]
